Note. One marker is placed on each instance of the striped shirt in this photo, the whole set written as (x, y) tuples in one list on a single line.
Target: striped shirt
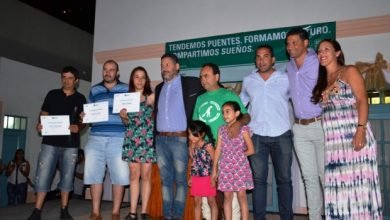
[(114, 125)]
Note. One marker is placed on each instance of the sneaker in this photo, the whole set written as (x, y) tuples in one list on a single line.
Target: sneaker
[(65, 214), (35, 215)]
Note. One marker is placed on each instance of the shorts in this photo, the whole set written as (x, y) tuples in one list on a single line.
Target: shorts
[(48, 158), (101, 151), (201, 186)]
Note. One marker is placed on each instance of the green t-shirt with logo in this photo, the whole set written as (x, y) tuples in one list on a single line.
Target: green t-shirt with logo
[(208, 108)]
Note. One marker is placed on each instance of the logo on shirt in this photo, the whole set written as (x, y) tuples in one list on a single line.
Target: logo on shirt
[(209, 111)]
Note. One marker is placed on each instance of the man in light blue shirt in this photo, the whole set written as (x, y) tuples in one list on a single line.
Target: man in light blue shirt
[(266, 90), (173, 108)]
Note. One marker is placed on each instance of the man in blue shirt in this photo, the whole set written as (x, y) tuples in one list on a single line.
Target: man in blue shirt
[(174, 104), (266, 90), (105, 142), (302, 71)]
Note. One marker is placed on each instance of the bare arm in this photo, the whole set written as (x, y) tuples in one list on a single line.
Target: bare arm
[(123, 115), (217, 154), (353, 77), (211, 151), (235, 128), (79, 175), (26, 170), (150, 100), (248, 141), (10, 167)]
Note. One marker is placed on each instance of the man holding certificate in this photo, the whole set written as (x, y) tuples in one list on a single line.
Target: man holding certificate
[(60, 127), (105, 142)]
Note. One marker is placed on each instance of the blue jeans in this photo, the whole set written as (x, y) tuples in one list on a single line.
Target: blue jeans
[(17, 193), (280, 148), (99, 151), (172, 159), (48, 158)]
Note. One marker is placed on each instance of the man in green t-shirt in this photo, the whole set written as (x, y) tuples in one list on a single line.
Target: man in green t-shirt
[(208, 108)]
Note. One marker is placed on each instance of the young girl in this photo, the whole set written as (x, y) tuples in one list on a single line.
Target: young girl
[(231, 165), (202, 154)]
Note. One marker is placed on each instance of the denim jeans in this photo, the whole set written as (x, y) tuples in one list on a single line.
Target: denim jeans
[(309, 147), (280, 148), (48, 158), (17, 193), (99, 151), (172, 159)]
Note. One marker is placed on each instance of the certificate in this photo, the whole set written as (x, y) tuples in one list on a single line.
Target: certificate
[(129, 101), (55, 125), (95, 112)]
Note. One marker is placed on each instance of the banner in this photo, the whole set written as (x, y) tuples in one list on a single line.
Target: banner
[(234, 53)]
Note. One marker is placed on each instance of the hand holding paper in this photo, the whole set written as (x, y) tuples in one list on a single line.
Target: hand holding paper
[(95, 112), (129, 101), (55, 125)]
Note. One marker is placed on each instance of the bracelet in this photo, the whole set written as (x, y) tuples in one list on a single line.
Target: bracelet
[(362, 125)]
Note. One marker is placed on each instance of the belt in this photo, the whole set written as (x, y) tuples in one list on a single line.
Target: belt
[(174, 134), (307, 121)]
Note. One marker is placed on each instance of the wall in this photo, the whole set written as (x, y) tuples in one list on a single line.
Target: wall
[(123, 24), (22, 91), (126, 24), (29, 35)]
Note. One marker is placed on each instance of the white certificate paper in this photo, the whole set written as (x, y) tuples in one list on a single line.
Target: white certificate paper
[(129, 101), (95, 112), (55, 125)]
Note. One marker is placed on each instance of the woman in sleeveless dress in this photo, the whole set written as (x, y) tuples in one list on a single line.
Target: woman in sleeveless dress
[(138, 142), (352, 187)]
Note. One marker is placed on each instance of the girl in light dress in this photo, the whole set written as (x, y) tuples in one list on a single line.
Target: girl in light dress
[(231, 169)]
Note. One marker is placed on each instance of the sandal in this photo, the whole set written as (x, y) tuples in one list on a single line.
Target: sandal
[(131, 216), (144, 216)]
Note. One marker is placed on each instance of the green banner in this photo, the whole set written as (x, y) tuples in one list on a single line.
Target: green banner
[(238, 49)]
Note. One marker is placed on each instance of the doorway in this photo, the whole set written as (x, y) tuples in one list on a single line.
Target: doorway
[(14, 137)]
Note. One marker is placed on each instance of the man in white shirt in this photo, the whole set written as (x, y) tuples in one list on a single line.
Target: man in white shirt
[(266, 90)]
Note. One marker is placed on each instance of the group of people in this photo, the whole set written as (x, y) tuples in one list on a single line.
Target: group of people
[(228, 138)]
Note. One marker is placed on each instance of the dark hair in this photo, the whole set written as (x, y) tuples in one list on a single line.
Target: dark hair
[(113, 62), (266, 46), (172, 56), (19, 151), (147, 89), (302, 33), (197, 128), (236, 107), (70, 69), (214, 67), (322, 80)]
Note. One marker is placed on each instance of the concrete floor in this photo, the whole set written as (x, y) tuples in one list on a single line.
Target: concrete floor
[(79, 209)]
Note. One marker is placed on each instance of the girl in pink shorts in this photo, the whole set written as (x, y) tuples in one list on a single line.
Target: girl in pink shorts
[(202, 154)]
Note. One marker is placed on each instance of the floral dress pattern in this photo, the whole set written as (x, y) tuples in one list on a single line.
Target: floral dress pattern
[(138, 142), (352, 187), (201, 161), (234, 172)]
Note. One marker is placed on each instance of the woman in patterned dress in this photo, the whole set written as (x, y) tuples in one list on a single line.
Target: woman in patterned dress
[(352, 187), (138, 143), (231, 165)]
